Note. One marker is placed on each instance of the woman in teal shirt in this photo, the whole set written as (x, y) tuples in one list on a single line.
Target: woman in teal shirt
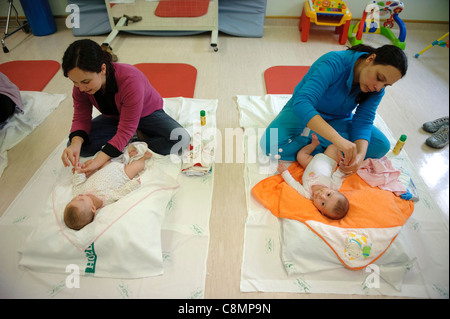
[(337, 99)]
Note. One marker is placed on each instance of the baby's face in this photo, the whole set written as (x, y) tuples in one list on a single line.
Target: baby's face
[(325, 199)]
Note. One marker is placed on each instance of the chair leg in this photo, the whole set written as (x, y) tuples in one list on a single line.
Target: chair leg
[(24, 26)]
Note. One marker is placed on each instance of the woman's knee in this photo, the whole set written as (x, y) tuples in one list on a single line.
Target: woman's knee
[(378, 147)]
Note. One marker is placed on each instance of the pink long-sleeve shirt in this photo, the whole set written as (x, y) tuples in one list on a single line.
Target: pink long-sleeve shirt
[(136, 98)]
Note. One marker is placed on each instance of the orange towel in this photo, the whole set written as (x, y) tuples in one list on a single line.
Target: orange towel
[(373, 221)]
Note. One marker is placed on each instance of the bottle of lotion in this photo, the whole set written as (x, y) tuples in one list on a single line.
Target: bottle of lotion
[(398, 147)]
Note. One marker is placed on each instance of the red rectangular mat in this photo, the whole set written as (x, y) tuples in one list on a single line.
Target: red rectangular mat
[(171, 79), (30, 75), (182, 8), (283, 79)]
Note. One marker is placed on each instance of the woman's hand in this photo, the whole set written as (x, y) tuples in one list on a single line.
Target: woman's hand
[(71, 155), (347, 151), (91, 166), (351, 167), (318, 125)]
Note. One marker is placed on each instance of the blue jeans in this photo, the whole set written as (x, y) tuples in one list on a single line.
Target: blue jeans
[(163, 134), (289, 142)]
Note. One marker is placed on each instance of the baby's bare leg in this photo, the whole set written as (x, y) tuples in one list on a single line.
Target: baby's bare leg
[(136, 167), (304, 155), (331, 151)]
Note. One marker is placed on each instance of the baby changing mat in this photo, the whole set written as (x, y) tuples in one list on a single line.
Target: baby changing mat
[(373, 221)]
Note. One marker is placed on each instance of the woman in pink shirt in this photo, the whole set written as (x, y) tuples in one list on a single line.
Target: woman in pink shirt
[(127, 102)]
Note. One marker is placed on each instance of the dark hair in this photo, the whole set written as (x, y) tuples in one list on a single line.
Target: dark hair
[(385, 55), (88, 56), (341, 208)]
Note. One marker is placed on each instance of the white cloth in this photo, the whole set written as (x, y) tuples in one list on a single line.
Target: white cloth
[(197, 161), (36, 107)]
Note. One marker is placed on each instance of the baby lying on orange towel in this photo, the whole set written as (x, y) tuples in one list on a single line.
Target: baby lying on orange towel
[(321, 181), (374, 214)]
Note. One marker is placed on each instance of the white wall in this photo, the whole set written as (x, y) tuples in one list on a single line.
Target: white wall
[(422, 10), (425, 10)]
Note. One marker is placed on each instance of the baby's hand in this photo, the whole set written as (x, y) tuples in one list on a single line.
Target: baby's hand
[(281, 167), (76, 168)]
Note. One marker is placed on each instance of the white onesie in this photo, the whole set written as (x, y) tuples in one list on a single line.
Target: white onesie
[(109, 183), (320, 171)]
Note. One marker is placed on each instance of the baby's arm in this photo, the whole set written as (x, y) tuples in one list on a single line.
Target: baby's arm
[(78, 178), (291, 181), (337, 178)]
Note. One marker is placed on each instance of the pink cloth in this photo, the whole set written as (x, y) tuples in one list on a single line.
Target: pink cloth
[(381, 173), (11, 90)]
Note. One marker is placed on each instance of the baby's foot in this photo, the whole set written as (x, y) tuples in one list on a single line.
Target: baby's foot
[(132, 151), (147, 155), (315, 139)]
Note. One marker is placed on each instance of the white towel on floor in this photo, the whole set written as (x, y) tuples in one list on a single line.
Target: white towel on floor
[(197, 161), (36, 107)]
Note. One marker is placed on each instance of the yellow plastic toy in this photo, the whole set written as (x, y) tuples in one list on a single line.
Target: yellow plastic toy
[(326, 12), (438, 42)]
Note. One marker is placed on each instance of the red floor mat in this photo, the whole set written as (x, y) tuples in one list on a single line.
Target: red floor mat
[(284, 78), (171, 79), (182, 8), (30, 75)]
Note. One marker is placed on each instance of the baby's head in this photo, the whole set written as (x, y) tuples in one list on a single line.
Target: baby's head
[(79, 212), (331, 203)]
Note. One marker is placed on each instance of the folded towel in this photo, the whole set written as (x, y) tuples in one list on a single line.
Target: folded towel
[(380, 172), (197, 161)]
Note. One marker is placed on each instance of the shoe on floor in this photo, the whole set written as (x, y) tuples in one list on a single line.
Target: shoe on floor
[(438, 139), (434, 126)]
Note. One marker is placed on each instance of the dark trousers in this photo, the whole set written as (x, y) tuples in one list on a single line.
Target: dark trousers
[(7, 108), (162, 134)]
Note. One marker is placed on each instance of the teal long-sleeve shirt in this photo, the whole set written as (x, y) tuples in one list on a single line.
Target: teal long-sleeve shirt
[(327, 90)]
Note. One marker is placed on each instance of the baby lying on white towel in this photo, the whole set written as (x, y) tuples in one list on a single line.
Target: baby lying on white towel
[(107, 185)]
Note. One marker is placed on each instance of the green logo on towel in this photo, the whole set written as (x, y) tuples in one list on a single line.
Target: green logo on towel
[(91, 259)]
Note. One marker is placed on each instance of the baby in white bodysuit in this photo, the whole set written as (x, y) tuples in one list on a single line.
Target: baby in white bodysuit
[(107, 185), (321, 180)]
